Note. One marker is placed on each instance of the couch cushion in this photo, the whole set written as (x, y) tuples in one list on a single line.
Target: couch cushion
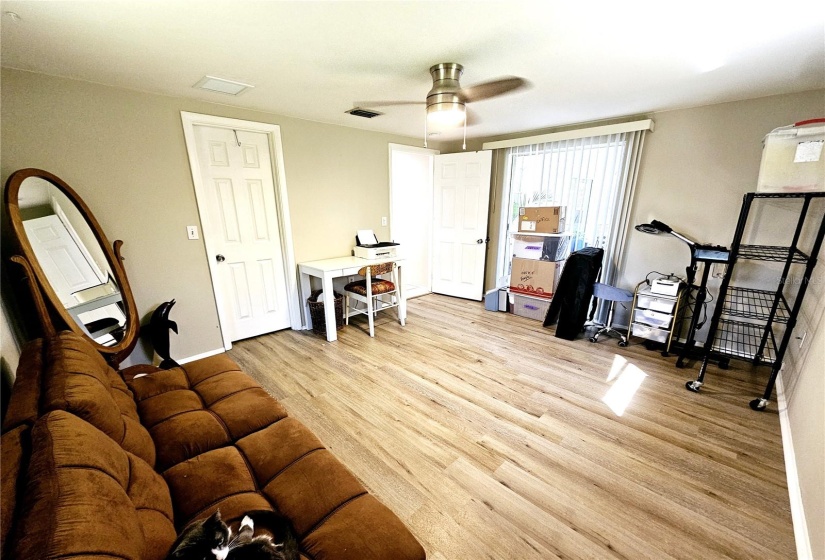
[(286, 466), (215, 480), (201, 406), (86, 496), (24, 403), (13, 461), (79, 380)]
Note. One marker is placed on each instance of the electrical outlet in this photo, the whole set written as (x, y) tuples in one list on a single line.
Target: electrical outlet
[(383, 220), (350, 279), (192, 232), (719, 270)]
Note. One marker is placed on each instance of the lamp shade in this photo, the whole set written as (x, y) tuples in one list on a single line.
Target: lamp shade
[(648, 228), (446, 114), (654, 227), (445, 106)]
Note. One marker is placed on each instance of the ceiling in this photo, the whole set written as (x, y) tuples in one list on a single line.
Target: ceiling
[(586, 61)]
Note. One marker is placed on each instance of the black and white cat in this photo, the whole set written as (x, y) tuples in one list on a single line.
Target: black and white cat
[(212, 539)]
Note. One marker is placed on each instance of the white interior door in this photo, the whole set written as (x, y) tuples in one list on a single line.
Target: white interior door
[(64, 263), (461, 197), (242, 230), (411, 214)]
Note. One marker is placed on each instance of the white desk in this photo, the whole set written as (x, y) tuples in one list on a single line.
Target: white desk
[(326, 270)]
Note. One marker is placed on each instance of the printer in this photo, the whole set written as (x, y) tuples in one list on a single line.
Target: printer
[(368, 247)]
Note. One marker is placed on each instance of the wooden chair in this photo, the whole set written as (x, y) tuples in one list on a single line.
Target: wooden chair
[(375, 293)]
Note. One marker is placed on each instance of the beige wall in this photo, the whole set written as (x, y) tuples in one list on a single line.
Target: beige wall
[(803, 379), (124, 153)]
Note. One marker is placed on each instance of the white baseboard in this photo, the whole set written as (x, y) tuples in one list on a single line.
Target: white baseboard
[(800, 526), (214, 352)]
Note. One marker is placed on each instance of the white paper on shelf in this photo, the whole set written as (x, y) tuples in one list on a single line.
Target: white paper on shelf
[(366, 237)]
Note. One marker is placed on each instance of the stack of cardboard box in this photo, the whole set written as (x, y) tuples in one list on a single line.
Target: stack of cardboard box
[(539, 250)]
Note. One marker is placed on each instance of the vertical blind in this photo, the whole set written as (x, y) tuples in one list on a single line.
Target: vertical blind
[(591, 177)]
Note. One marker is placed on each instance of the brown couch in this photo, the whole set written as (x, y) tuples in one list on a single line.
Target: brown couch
[(104, 464)]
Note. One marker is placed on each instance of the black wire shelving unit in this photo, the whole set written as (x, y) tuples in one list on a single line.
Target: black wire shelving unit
[(756, 324)]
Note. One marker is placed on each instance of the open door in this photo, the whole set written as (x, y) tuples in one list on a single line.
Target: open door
[(411, 214), (461, 198)]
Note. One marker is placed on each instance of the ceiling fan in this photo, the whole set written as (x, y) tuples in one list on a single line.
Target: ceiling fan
[(447, 101)]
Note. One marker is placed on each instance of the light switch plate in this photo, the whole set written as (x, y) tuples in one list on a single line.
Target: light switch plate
[(192, 232), (383, 220)]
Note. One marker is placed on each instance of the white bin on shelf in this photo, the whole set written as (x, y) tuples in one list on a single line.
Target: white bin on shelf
[(544, 247), (792, 158)]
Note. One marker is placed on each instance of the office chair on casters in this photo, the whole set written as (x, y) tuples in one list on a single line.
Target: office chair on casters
[(614, 295)]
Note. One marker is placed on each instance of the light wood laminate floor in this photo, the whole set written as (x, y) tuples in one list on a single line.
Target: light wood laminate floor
[(491, 438)]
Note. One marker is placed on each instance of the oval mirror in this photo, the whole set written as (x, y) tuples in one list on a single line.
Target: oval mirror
[(80, 274)]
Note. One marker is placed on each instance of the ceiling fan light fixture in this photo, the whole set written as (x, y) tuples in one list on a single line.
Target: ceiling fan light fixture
[(445, 107), (446, 114)]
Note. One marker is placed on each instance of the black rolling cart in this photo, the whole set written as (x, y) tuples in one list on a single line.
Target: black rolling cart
[(747, 323)]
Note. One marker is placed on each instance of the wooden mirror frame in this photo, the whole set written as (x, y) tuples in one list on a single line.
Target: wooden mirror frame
[(115, 353)]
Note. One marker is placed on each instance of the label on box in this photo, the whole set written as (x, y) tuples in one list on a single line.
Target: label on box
[(528, 225), (808, 151)]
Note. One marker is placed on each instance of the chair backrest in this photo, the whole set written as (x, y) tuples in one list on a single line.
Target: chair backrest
[(376, 269)]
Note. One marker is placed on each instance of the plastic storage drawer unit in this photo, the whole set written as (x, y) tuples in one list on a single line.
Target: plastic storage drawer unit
[(652, 318), (656, 303), (650, 333)]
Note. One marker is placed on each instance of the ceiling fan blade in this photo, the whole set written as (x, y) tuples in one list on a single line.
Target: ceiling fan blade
[(371, 104), (472, 117), (493, 88)]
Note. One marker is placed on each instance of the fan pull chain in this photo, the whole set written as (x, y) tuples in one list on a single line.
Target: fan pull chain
[(464, 144)]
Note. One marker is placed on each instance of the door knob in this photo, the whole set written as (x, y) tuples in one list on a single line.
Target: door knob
[(479, 241), (220, 258)]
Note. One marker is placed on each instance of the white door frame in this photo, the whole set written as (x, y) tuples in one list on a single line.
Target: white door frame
[(416, 150), (273, 133)]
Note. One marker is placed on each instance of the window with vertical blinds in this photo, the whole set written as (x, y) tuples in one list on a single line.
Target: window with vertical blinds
[(591, 177)]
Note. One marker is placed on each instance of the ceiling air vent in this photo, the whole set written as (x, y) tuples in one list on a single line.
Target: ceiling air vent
[(220, 85), (366, 113)]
